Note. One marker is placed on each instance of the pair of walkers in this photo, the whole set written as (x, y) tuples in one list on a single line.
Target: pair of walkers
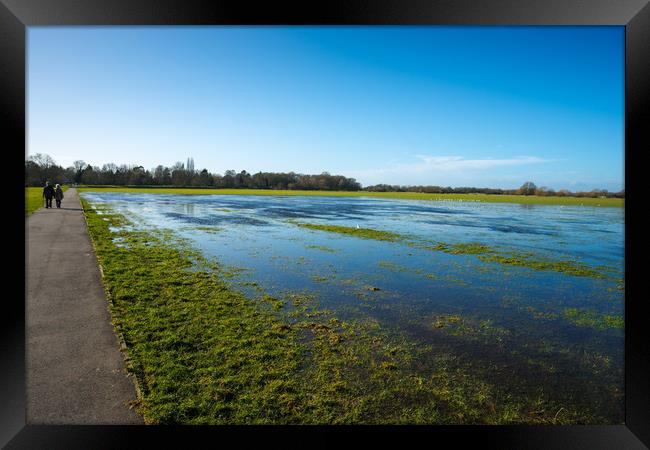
[(50, 193)]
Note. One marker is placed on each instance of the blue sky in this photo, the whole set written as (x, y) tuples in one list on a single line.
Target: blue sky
[(451, 106)]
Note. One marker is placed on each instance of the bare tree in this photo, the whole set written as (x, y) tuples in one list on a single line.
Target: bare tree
[(43, 160)]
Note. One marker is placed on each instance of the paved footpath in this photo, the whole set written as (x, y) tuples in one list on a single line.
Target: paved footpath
[(75, 373)]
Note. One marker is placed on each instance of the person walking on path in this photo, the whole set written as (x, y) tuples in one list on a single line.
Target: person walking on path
[(74, 371), (58, 195), (48, 193)]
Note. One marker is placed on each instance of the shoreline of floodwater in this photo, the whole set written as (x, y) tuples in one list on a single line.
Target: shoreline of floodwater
[(488, 198), (205, 353)]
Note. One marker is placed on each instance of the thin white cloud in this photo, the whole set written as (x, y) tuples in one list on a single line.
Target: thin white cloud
[(452, 171), (457, 163), (450, 164)]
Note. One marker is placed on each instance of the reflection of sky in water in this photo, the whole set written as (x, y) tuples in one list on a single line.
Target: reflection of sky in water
[(402, 285), (252, 232)]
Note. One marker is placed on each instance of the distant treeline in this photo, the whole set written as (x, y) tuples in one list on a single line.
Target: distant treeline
[(41, 168), (527, 188)]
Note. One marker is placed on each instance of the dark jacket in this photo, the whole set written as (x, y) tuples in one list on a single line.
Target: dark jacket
[(58, 194), (48, 192)]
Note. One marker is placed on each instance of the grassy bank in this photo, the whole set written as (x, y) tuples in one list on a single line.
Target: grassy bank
[(206, 354), (34, 199), (520, 199)]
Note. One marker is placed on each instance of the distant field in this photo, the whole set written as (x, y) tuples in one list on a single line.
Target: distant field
[(34, 199), (522, 199)]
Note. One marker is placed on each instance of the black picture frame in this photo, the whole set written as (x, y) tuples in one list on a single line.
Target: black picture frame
[(17, 15)]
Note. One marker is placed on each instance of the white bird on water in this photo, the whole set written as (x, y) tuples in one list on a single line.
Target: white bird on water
[(357, 226)]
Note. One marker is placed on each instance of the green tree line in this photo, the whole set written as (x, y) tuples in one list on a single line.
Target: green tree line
[(40, 168), (528, 188)]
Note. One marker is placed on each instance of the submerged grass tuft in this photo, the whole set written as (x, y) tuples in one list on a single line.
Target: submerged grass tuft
[(322, 248), (364, 233), (484, 252), (588, 318), (568, 267)]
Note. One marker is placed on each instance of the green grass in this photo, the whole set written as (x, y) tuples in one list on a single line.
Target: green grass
[(206, 354), (34, 199), (490, 198), (568, 267), (364, 233), (471, 248), (483, 252), (484, 330), (588, 318)]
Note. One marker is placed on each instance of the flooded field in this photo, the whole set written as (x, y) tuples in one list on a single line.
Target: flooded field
[(533, 295)]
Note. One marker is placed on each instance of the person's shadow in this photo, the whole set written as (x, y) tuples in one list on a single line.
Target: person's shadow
[(70, 209)]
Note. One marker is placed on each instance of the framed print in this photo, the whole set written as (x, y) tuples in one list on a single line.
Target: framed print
[(403, 220)]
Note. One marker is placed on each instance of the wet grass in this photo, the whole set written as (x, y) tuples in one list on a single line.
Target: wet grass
[(322, 248), (580, 317), (563, 368), (320, 279), (490, 198), (568, 267), (397, 268), (206, 354), (526, 363), (363, 233), (587, 318), (210, 230), (471, 248), (457, 325), (484, 253), (445, 320)]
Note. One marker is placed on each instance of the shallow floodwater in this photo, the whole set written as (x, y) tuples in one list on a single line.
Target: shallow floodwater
[(518, 321)]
